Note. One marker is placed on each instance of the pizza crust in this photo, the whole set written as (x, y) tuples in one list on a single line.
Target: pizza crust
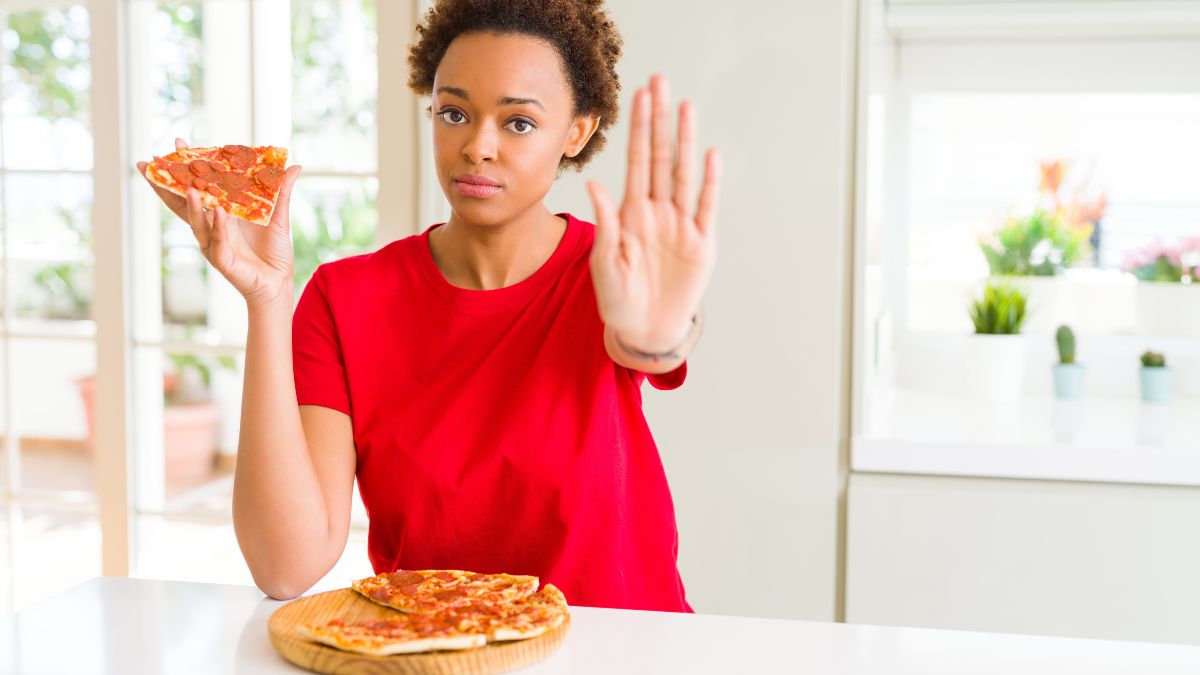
[(384, 646)]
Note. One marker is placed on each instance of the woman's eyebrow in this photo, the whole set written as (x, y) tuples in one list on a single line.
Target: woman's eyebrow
[(455, 91), (509, 100)]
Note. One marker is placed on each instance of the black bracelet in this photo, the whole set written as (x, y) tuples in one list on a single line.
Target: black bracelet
[(672, 354)]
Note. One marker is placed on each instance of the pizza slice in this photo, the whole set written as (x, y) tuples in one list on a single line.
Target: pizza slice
[(527, 618), (243, 180), (407, 634), (422, 590)]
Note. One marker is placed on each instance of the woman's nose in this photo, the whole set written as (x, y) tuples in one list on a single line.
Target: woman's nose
[(481, 146)]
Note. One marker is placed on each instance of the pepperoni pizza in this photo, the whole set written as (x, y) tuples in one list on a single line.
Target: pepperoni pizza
[(244, 181), (445, 610)]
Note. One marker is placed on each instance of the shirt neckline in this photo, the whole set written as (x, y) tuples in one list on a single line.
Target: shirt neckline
[(497, 297)]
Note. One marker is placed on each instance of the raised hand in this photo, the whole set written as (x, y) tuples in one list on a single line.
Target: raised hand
[(653, 257), (257, 260)]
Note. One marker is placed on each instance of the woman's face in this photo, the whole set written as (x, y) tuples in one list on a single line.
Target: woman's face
[(502, 119)]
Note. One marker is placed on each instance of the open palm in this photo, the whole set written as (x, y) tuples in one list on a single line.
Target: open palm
[(653, 256)]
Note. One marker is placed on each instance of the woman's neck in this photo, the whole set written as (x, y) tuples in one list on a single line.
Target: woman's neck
[(487, 257)]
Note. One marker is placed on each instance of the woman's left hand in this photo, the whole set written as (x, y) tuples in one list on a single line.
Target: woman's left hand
[(653, 257)]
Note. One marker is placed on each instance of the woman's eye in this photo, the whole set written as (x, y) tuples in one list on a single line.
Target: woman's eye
[(452, 116), (520, 126)]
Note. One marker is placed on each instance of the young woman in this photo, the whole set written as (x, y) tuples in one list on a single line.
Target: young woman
[(483, 379)]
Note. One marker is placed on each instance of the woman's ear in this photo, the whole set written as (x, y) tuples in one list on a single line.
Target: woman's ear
[(580, 133)]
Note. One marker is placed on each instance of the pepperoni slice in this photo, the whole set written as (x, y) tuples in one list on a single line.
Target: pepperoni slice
[(180, 172), (213, 190), (269, 177), (200, 183), (405, 578), (203, 169), (233, 182), (242, 162), (240, 157), (242, 198)]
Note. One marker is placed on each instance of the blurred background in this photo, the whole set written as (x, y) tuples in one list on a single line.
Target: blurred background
[(951, 373)]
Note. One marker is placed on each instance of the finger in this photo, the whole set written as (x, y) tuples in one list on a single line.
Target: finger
[(637, 178), (607, 242), (706, 211), (660, 152), (179, 144), (685, 173), (196, 218), (220, 236), (283, 200), (177, 204)]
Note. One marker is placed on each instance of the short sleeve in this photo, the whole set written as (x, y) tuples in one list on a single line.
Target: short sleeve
[(317, 362), (663, 381)]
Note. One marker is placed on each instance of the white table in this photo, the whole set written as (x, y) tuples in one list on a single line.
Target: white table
[(130, 626)]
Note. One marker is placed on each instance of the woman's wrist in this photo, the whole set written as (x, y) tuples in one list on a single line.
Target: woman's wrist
[(674, 352), (283, 301)]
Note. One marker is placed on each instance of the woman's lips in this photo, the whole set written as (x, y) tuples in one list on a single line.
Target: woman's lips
[(476, 186)]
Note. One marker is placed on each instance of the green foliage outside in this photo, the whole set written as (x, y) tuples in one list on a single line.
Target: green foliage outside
[(52, 43)]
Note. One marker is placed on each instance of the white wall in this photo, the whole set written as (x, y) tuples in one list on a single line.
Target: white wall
[(752, 442)]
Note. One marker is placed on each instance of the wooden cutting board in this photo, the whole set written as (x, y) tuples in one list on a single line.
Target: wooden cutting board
[(495, 657)]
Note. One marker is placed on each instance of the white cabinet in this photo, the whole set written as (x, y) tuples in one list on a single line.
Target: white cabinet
[(1043, 557)]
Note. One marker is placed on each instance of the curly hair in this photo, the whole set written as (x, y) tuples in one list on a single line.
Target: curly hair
[(584, 36)]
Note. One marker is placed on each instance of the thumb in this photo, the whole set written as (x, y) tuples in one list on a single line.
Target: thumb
[(283, 200), (608, 224)]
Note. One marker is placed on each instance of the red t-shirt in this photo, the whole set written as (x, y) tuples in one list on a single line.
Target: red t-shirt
[(494, 433)]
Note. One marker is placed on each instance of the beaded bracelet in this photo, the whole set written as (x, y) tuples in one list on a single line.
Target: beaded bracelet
[(672, 354)]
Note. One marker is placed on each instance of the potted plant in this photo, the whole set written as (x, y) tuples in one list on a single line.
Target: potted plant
[(1155, 378), (994, 359), (191, 419), (1068, 375), (1168, 297)]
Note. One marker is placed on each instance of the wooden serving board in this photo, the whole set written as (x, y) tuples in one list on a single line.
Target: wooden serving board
[(346, 604)]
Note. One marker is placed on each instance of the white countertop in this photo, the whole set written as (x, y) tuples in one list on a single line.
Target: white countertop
[(130, 626), (1039, 437)]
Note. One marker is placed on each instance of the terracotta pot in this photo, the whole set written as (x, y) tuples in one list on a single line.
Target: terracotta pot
[(190, 434), (190, 440)]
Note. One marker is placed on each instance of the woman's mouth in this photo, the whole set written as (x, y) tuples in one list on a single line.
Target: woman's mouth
[(471, 185)]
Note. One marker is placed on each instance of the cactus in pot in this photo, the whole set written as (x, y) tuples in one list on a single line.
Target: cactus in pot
[(1155, 378), (1068, 375)]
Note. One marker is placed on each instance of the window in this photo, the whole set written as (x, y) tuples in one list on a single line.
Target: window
[(1078, 131), (311, 88), (302, 74)]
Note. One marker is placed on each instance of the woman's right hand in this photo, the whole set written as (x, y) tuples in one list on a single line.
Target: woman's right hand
[(257, 260)]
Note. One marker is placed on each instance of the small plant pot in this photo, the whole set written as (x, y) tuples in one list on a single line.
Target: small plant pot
[(1156, 384), (1068, 381), (993, 367)]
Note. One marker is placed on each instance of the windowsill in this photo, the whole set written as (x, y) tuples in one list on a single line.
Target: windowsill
[(1109, 440)]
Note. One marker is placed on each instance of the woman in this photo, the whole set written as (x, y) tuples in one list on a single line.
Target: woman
[(482, 379)]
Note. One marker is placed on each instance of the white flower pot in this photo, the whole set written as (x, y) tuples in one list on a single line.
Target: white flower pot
[(993, 367), (1166, 309)]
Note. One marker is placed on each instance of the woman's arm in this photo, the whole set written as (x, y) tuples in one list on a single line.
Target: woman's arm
[(295, 466)]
